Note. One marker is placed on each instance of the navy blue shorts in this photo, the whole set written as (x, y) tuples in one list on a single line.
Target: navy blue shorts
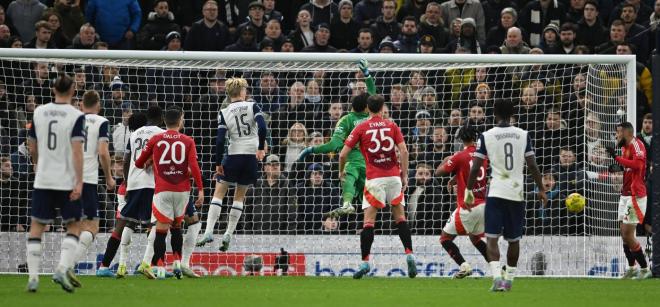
[(190, 209), (138, 206), (90, 201), (239, 169), (46, 202), (504, 217)]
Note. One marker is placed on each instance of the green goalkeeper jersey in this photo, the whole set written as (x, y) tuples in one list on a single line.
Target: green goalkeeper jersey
[(343, 129)]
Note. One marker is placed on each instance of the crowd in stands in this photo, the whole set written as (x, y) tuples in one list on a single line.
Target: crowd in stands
[(570, 125)]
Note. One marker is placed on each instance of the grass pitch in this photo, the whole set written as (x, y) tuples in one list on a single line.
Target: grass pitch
[(330, 291)]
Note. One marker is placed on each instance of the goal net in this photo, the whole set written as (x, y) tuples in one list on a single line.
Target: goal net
[(570, 105)]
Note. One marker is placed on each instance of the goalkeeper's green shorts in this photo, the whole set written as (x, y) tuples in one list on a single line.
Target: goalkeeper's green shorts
[(353, 184)]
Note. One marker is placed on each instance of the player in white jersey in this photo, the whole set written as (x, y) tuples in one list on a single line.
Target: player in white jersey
[(139, 196), (505, 147), (56, 145), (95, 148), (246, 126)]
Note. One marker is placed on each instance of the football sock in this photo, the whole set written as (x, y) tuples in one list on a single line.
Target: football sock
[(510, 272), (638, 253), (495, 269), (126, 237), (629, 255), (85, 241), (481, 247), (149, 250), (213, 215), (159, 247), (34, 257), (68, 253), (404, 235), (176, 240), (189, 242), (111, 249), (234, 216), (452, 250), (366, 240)]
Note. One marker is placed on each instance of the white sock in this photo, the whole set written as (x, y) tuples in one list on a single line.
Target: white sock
[(149, 250), (85, 241), (68, 253), (510, 272), (234, 216), (126, 236), (189, 241), (213, 215), (495, 269), (34, 258)]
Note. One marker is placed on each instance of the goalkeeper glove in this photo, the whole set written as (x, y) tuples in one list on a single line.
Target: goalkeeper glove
[(306, 152), (364, 67), (611, 152), (468, 199)]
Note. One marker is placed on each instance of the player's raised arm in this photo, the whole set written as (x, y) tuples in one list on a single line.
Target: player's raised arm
[(530, 159), (146, 152), (77, 139)]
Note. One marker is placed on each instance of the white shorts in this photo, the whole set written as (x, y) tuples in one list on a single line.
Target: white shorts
[(169, 207), (463, 222), (632, 211), (381, 191)]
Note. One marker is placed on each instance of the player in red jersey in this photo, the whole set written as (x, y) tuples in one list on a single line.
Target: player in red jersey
[(465, 220), (174, 158), (386, 179), (632, 204)]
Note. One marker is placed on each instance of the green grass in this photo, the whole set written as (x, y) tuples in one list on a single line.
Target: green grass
[(337, 292)]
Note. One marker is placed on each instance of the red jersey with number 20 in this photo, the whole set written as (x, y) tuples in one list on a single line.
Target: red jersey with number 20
[(173, 155), (378, 139), (460, 164), (633, 158)]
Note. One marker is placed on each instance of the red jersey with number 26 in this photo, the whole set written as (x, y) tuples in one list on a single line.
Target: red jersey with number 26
[(173, 154), (633, 158), (460, 164), (378, 139)]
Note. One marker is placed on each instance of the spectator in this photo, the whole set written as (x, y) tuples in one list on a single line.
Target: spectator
[(268, 95), (432, 24), (55, 21), (493, 14), (24, 14), (21, 162), (269, 11), (416, 82), (426, 211), (575, 11), (386, 46), (365, 41), (344, 27), (116, 21), (591, 31), (80, 79), (287, 46), (159, 23), (646, 133), (440, 147), (549, 137), (15, 42), (427, 44), (654, 19), (477, 117), (386, 25), (13, 198), (303, 35), (246, 41), (208, 33), (514, 43), (467, 9), (71, 19), (4, 20), (273, 32), (467, 39), (255, 19), (42, 38), (114, 105), (121, 131), (400, 109), (366, 11), (39, 84), (617, 35), (567, 171), (271, 208), (5, 34), (497, 34), (642, 10), (293, 144), (421, 133), (455, 28), (529, 112), (314, 197), (294, 111), (321, 11), (407, 42), (86, 38), (329, 119), (644, 80), (537, 14), (550, 41), (321, 40), (428, 101), (173, 42), (414, 8), (635, 33), (567, 39), (25, 111)]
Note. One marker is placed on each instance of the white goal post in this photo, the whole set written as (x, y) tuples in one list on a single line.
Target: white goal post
[(589, 94)]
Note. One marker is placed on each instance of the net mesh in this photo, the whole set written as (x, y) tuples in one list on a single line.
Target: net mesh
[(569, 109)]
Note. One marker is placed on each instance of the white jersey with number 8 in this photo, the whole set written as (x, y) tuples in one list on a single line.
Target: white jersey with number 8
[(506, 148)]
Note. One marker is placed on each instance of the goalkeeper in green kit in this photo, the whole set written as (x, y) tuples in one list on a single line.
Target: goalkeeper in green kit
[(353, 182)]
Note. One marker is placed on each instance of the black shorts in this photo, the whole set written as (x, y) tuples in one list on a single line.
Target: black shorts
[(46, 202), (138, 206), (239, 170), (90, 201), (504, 217), (190, 209)]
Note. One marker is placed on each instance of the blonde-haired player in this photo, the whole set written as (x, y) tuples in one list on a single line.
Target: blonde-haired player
[(245, 124)]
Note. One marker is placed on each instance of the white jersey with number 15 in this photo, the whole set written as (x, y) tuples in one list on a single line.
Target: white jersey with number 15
[(506, 148), (239, 118)]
